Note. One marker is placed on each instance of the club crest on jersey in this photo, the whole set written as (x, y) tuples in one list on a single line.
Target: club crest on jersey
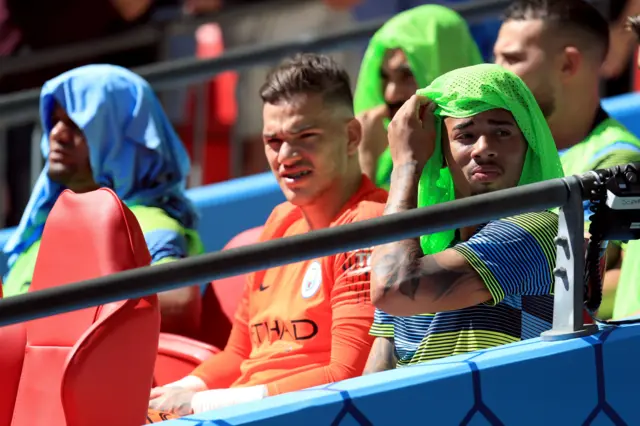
[(312, 280)]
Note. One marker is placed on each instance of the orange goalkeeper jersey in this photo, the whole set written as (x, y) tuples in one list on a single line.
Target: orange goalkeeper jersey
[(302, 324)]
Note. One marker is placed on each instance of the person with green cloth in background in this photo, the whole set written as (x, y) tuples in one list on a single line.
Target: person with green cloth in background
[(558, 48), (627, 299), (473, 130), (408, 52)]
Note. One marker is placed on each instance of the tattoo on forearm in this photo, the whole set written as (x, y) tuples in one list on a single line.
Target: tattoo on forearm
[(405, 171), (410, 287), (404, 195), (386, 269), (443, 281), (399, 265), (403, 268)]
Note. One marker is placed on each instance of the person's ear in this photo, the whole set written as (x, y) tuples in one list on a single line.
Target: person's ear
[(354, 135), (572, 60)]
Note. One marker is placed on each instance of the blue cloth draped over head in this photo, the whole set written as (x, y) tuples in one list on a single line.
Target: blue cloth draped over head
[(133, 149)]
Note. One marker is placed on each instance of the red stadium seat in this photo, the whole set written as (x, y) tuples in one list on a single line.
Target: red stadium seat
[(221, 298), (177, 355), (93, 366), (14, 341)]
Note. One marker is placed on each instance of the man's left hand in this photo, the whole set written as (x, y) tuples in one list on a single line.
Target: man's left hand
[(176, 401)]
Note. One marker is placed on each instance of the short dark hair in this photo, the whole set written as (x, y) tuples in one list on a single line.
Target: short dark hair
[(633, 24), (308, 73), (577, 18)]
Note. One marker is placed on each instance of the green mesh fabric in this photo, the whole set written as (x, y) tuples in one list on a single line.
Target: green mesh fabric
[(469, 91), (435, 40)]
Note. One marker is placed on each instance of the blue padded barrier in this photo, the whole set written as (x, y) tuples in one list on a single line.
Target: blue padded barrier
[(626, 109), (581, 381)]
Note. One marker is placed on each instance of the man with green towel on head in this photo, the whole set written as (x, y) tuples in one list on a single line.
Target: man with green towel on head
[(408, 52), (473, 130)]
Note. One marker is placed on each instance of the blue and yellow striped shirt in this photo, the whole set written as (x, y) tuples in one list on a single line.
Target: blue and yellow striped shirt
[(514, 257)]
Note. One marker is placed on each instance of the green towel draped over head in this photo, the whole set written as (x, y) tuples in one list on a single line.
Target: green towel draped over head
[(469, 91), (435, 40)]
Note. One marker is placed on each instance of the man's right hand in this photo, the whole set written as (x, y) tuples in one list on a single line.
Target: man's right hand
[(186, 383), (374, 138), (159, 391), (173, 400), (412, 132)]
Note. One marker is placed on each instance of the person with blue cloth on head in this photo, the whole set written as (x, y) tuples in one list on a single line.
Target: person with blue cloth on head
[(104, 127)]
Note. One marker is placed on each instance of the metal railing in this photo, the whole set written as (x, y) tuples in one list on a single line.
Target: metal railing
[(567, 193)]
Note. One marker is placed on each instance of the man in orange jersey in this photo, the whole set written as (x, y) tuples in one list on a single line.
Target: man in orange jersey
[(303, 324)]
